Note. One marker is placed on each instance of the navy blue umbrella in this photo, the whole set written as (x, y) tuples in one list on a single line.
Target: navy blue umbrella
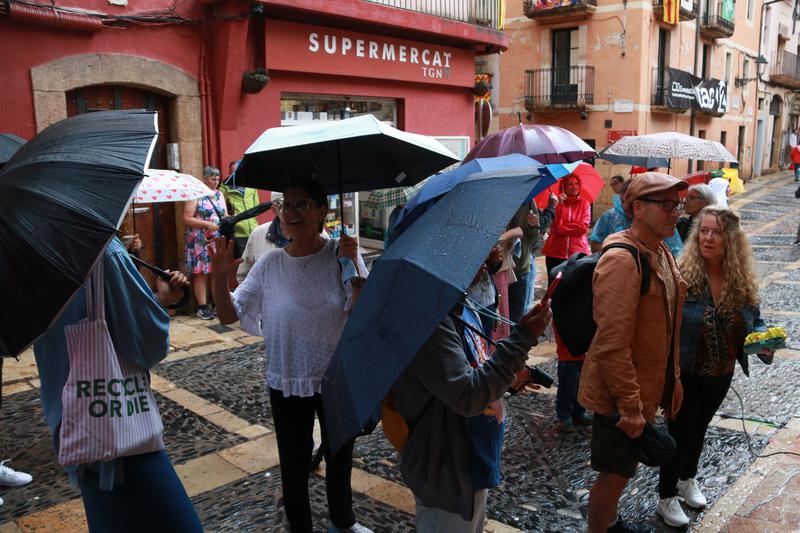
[(62, 197), (9, 144), (410, 290), (440, 184)]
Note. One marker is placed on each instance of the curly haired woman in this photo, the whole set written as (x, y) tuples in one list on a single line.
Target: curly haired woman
[(720, 309)]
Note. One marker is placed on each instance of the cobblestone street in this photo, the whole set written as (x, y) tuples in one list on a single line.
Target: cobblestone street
[(219, 431)]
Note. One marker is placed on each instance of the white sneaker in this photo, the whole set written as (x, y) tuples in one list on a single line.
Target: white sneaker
[(12, 478), (670, 510), (355, 528), (690, 492), (1, 501)]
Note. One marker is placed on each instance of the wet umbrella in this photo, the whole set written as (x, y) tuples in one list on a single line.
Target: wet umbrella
[(591, 182), (411, 287), (437, 186), (634, 160), (671, 145), (62, 198), (546, 144), (356, 154), (9, 144)]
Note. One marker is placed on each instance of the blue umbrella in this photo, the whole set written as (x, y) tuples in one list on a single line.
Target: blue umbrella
[(438, 185), (409, 291)]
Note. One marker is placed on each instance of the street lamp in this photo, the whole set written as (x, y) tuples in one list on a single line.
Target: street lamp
[(760, 62)]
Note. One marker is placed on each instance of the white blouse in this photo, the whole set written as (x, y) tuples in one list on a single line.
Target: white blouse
[(300, 306)]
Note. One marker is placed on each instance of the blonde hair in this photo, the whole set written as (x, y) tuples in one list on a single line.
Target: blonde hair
[(739, 285)]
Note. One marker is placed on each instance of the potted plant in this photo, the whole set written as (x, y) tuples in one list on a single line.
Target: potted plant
[(255, 80), (481, 88)]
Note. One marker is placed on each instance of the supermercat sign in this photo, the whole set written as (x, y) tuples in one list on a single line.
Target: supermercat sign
[(305, 48)]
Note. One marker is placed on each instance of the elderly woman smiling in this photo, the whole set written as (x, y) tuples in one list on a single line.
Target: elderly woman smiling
[(296, 299)]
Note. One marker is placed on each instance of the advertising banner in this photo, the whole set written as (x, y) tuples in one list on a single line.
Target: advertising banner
[(686, 91)]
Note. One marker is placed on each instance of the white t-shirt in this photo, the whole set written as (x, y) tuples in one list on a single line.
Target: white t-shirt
[(300, 306)]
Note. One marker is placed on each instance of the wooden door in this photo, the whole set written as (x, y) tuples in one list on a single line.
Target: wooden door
[(155, 223)]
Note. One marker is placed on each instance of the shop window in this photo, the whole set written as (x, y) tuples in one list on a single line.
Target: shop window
[(302, 108)]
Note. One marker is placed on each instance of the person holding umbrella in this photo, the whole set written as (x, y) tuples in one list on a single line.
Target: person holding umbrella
[(116, 492), (454, 398), (287, 292), (202, 218), (568, 229)]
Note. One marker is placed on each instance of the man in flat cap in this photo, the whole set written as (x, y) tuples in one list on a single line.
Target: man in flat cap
[(632, 366)]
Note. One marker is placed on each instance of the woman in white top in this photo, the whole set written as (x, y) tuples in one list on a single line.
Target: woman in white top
[(296, 299)]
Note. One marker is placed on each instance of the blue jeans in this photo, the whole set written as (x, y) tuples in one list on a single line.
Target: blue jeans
[(516, 298), (797, 172), (531, 286), (150, 498), (569, 376)]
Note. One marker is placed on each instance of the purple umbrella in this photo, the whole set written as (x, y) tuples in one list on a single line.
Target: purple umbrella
[(546, 144)]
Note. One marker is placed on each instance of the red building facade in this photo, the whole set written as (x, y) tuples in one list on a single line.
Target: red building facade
[(221, 72)]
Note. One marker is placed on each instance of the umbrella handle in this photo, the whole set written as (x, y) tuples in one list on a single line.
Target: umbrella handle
[(166, 276)]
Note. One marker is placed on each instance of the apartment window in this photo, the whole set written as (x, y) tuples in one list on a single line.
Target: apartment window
[(723, 138), (751, 6), (746, 74), (565, 56), (728, 63), (740, 143), (706, 64)]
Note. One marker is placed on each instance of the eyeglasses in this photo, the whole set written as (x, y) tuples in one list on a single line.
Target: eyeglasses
[(300, 205), (666, 205)]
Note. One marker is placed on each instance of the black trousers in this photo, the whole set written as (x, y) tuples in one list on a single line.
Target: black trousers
[(294, 427), (551, 263), (702, 396)]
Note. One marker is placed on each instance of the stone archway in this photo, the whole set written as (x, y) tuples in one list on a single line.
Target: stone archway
[(51, 81)]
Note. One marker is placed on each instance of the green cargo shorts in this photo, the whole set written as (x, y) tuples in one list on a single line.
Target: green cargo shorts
[(612, 450)]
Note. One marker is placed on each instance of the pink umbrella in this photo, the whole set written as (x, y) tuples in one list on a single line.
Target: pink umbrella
[(546, 144)]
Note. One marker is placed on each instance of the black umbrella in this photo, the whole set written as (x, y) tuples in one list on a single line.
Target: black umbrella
[(62, 197), (356, 154), (9, 144)]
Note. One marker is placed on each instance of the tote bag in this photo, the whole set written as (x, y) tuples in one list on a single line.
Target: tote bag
[(108, 408)]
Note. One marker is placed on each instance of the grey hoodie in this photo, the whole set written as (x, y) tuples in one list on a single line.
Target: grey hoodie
[(436, 394)]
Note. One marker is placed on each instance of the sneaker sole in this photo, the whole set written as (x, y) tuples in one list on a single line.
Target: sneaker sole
[(19, 484), (668, 521)]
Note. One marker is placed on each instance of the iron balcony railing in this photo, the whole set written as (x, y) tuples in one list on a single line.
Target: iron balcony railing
[(546, 8), (714, 24), (661, 83), (479, 12), (559, 88), (685, 14), (785, 69)]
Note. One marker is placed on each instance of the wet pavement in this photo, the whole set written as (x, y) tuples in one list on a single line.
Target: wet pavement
[(218, 432)]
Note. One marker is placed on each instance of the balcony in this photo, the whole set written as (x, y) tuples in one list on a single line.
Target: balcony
[(785, 70), (559, 88), (484, 13), (558, 10), (658, 100), (684, 14), (714, 25)]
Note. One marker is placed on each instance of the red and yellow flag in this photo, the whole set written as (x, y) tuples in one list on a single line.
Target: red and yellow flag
[(671, 10)]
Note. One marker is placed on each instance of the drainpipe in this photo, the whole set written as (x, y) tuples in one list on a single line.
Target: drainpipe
[(203, 109), (48, 16), (693, 113)]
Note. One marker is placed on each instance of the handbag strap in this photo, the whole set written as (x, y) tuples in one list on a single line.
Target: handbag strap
[(95, 294)]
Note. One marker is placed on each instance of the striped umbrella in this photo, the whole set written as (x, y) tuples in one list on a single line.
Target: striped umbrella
[(391, 197), (671, 145)]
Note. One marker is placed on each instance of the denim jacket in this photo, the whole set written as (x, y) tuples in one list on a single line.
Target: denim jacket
[(693, 308)]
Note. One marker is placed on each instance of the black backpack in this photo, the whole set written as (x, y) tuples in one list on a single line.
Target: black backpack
[(572, 300)]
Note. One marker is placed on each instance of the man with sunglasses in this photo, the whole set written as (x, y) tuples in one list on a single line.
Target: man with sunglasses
[(632, 367)]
